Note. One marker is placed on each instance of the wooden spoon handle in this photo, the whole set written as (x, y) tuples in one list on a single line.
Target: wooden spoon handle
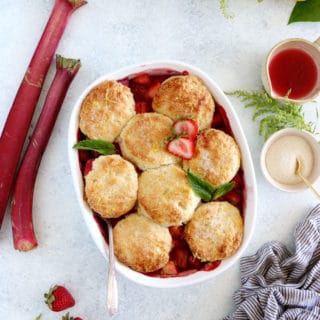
[(306, 181)]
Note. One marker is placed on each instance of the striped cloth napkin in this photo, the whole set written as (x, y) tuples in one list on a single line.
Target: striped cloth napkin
[(279, 284)]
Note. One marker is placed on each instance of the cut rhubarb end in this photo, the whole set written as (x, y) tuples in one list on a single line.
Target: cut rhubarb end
[(25, 245), (77, 3), (72, 65)]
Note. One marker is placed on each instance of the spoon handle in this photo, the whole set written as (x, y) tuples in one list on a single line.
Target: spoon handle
[(112, 294), (306, 181)]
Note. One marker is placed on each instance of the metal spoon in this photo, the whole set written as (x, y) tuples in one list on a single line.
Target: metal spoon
[(305, 180), (112, 294)]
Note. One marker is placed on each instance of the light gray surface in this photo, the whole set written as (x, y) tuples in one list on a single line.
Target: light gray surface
[(107, 35)]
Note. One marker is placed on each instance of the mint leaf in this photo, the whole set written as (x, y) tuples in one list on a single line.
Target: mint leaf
[(223, 189), (305, 11), (101, 146), (205, 190), (200, 187)]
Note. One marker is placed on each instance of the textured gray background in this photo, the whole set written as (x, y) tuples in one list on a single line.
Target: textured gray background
[(108, 35)]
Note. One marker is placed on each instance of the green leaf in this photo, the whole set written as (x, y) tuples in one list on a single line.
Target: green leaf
[(97, 145), (224, 9), (273, 115), (38, 317), (223, 189), (205, 190), (200, 187), (308, 10)]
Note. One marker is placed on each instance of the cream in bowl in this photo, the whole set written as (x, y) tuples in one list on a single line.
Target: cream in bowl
[(168, 261), (280, 155)]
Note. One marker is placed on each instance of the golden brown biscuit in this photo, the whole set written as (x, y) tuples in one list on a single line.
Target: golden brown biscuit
[(215, 231), (105, 110), (165, 195), (144, 141), (185, 96), (216, 158), (111, 186), (141, 244)]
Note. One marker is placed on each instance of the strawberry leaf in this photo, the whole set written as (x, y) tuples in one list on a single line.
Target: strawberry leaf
[(305, 11), (101, 146), (223, 189), (175, 135), (38, 317)]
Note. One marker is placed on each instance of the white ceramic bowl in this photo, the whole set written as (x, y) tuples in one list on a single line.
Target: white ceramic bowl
[(247, 166), (315, 172)]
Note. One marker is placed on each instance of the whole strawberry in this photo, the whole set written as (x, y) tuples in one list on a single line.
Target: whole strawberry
[(59, 298), (67, 317)]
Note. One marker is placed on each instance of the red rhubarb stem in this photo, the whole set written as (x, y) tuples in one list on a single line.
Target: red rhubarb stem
[(21, 212), (20, 115)]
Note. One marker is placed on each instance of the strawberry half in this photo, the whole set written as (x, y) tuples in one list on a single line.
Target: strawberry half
[(188, 127), (181, 147), (59, 298)]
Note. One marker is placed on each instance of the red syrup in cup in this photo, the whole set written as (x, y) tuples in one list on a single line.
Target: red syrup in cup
[(293, 72)]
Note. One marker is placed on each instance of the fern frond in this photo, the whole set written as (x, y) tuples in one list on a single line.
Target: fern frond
[(273, 116)]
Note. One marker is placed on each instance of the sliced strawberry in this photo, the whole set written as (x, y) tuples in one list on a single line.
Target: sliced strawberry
[(238, 181), (217, 120), (88, 167), (188, 127), (211, 265), (186, 273), (125, 82), (83, 155), (181, 147), (232, 197), (142, 78), (194, 262), (169, 269), (177, 243), (139, 91), (142, 107), (177, 232), (180, 257), (153, 89), (95, 154)]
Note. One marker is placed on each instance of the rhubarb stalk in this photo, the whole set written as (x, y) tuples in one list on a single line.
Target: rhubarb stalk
[(20, 115), (21, 212)]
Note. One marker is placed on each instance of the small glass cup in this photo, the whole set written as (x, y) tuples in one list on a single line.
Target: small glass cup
[(312, 48)]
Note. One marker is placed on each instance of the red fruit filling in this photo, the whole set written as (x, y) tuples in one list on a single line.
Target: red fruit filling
[(182, 262), (87, 167)]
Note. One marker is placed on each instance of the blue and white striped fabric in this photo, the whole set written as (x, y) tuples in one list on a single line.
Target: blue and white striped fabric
[(278, 284)]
